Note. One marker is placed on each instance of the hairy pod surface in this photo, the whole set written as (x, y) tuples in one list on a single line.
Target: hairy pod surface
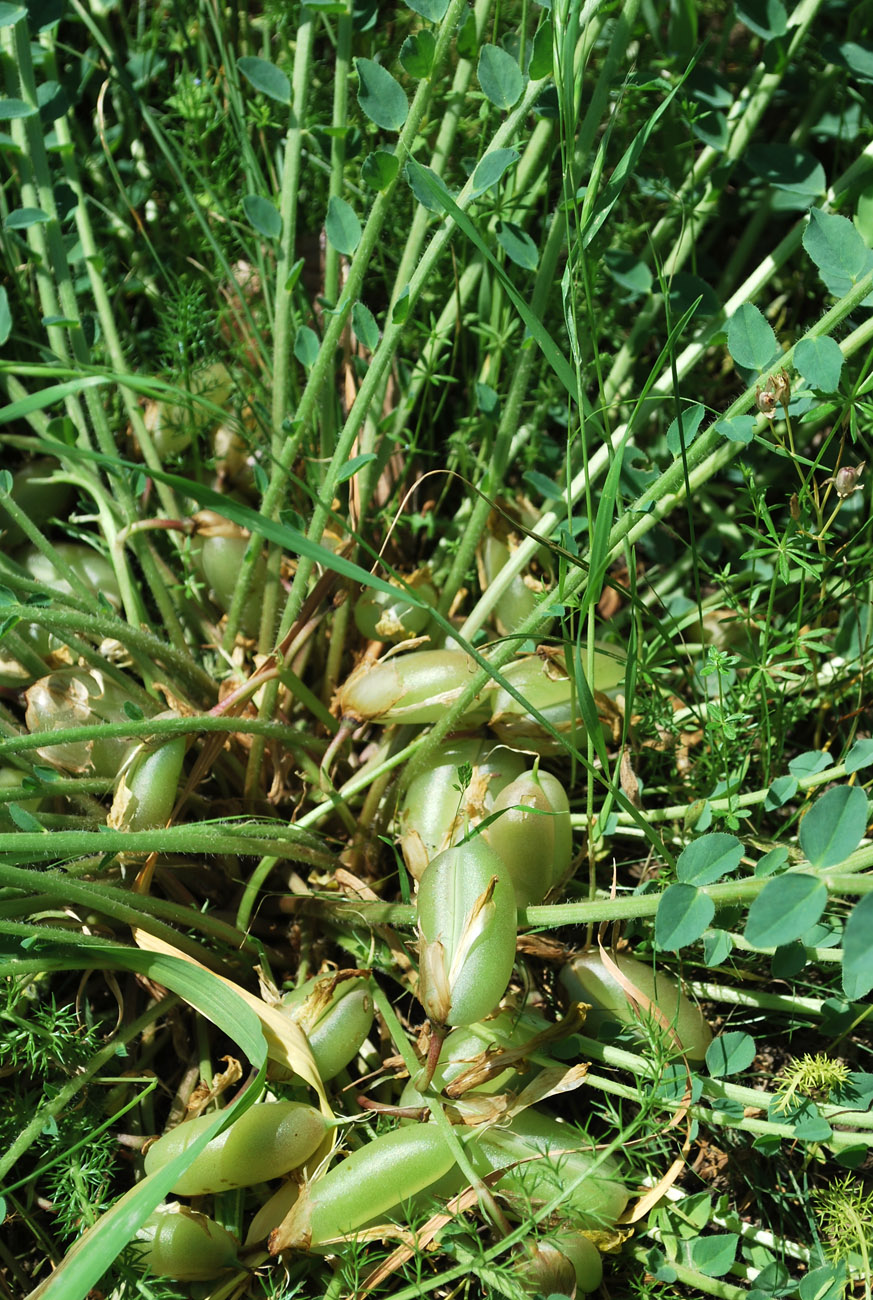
[(545, 684), (146, 794), (268, 1140), (417, 687), (532, 834), (369, 1183), (437, 811), (467, 921), (180, 1243), (587, 979), (336, 1014)]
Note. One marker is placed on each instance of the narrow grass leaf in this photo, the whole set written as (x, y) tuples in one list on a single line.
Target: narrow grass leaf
[(499, 76), (342, 226), (381, 98), (785, 909), (263, 216), (682, 916), (266, 78), (858, 950), (834, 826), (707, 859), (820, 362), (751, 341), (730, 1053)]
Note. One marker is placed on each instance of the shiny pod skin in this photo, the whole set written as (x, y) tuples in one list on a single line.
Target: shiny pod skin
[(147, 792), (369, 1183), (180, 1243), (336, 1014), (380, 616), (79, 697), (535, 845), (519, 599), (91, 567), (220, 558), (173, 425), (592, 1198), (268, 1140), (417, 688), (39, 494), (586, 979), (270, 1215), (435, 813), (467, 923), (546, 685), (563, 1262)]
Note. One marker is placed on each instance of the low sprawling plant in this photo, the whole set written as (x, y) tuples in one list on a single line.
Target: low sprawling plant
[(435, 601)]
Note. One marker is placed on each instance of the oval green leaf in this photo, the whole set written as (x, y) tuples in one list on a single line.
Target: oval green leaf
[(499, 76), (730, 1053), (381, 97), (263, 216), (5, 317), (267, 78), (365, 327), (707, 859), (416, 53), (491, 168), (834, 826), (751, 341), (683, 915), (518, 247), (858, 950), (342, 226), (379, 170), (785, 909), (820, 362), (692, 417)]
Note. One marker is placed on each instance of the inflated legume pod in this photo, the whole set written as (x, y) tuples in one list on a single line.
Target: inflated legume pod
[(467, 923), (546, 685), (91, 567), (535, 845), (384, 617), (519, 598), (11, 779), (173, 425), (563, 1262), (270, 1215), (417, 687), (40, 494), (217, 549), (336, 1014), (268, 1140), (369, 1183), (79, 697), (587, 979), (592, 1198), (436, 813), (146, 794), (180, 1243)]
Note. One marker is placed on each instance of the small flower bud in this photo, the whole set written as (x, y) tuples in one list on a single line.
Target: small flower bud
[(846, 479)]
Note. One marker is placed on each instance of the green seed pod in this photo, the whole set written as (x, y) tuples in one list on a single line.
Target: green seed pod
[(146, 794), (546, 685), (41, 496), (596, 1201), (369, 1183), (173, 425), (418, 687), (93, 569), (587, 979), (180, 1243), (380, 616), (536, 846), (11, 779), (269, 1216), (467, 924), (466, 1046), (268, 1140), (435, 813), (519, 598), (336, 1014), (79, 697), (563, 1262), (217, 549)]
